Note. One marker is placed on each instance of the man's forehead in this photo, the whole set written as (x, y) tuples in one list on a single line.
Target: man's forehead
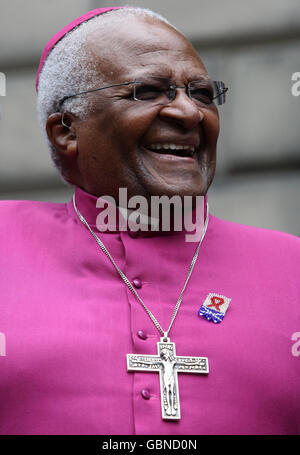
[(145, 46), (133, 30)]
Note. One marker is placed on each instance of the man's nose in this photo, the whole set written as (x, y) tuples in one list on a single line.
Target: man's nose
[(182, 110)]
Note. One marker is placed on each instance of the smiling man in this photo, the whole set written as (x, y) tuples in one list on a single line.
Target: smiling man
[(141, 134), (125, 101)]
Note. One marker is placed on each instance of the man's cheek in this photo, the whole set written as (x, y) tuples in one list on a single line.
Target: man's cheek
[(211, 129)]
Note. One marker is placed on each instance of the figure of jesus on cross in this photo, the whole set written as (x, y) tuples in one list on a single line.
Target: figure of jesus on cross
[(168, 365)]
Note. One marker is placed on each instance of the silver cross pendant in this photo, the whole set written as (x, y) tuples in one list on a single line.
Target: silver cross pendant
[(168, 365)]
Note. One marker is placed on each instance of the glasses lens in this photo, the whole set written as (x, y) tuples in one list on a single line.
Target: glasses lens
[(201, 92), (204, 92), (153, 89), (159, 90)]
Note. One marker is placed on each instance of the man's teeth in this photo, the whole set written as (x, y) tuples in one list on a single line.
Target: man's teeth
[(171, 147)]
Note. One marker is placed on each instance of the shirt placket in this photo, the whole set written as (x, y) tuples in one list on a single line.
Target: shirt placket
[(143, 273)]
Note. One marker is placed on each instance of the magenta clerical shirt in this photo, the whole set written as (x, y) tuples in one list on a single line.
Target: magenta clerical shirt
[(68, 322)]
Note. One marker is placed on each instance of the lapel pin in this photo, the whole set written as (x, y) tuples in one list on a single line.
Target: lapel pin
[(214, 307)]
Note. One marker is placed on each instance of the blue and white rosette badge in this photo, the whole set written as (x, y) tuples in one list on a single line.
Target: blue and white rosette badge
[(214, 307)]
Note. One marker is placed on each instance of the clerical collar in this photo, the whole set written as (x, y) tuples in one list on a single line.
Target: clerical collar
[(91, 208)]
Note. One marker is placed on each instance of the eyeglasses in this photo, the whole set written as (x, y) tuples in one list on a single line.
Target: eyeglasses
[(162, 91)]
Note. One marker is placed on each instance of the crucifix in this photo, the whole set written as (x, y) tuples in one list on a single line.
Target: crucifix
[(168, 365)]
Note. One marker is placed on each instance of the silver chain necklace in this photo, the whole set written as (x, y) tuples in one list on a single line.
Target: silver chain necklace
[(166, 362)]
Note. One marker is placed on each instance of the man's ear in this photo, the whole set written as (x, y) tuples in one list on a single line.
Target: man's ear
[(62, 134)]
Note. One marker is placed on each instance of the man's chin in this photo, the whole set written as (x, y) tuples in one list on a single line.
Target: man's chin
[(169, 191), (164, 175), (187, 185)]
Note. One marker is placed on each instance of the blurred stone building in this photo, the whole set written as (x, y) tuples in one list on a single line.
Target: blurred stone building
[(253, 46)]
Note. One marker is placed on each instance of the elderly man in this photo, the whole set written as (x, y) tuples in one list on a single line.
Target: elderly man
[(125, 102)]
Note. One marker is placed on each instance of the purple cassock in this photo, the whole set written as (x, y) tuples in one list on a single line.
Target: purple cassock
[(67, 322)]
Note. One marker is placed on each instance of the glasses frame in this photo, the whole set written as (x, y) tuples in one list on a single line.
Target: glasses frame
[(172, 86)]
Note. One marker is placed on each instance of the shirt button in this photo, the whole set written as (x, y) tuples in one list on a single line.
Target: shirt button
[(145, 394), (141, 334), (137, 283), (133, 234)]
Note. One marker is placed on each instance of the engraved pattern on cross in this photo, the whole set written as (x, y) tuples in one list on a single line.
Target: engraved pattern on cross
[(168, 365)]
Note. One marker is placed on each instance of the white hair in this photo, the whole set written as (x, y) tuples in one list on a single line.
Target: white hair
[(71, 68)]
